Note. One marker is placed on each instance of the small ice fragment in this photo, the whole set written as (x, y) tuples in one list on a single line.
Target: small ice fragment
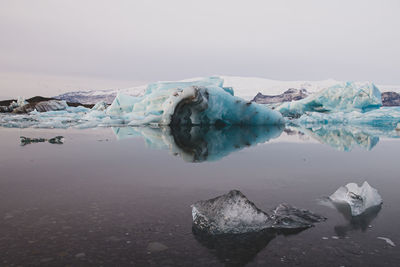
[(387, 240), (59, 140), (80, 255), (335, 237), (325, 238), (233, 213), (359, 198), (287, 216), (156, 247)]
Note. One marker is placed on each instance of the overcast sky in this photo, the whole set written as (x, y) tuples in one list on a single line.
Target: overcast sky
[(51, 46)]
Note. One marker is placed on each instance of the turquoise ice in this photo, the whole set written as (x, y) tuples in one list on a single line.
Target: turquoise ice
[(345, 97), (201, 102)]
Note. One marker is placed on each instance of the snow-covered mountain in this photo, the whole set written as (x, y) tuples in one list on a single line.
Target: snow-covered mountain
[(245, 87)]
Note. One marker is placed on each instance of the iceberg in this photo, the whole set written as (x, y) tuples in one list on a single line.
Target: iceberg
[(383, 117), (344, 97), (202, 102), (233, 213), (358, 198), (42, 106)]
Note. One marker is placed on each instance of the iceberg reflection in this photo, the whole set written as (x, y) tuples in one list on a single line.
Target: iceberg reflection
[(238, 249), (346, 138), (354, 223), (198, 144)]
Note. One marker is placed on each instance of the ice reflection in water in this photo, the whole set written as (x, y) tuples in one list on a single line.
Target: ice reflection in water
[(238, 249), (346, 138), (360, 222), (199, 144)]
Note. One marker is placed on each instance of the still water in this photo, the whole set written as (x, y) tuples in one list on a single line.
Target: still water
[(122, 196)]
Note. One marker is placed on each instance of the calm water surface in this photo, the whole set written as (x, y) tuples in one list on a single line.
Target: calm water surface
[(104, 199)]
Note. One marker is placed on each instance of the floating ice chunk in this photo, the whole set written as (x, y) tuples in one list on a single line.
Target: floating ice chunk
[(387, 240), (100, 106), (286, 216), (233, 213), (229, 213), (359, 198), (59, 140), (345, 97)]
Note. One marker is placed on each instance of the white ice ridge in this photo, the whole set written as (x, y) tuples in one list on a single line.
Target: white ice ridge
[(202, 102), (344, 97), (359, 198)]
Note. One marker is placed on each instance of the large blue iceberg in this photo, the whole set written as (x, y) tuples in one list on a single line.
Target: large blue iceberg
[(202, 102)]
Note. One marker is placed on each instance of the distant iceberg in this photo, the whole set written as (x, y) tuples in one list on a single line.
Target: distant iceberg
[(343, 97), (383, 117)]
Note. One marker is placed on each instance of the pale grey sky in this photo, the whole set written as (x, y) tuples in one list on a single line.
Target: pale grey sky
[(50, 46)]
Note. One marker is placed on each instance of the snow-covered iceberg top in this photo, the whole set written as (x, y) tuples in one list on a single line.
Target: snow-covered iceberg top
[(344, 97), (202, 102), (359, 198), (233, 213)]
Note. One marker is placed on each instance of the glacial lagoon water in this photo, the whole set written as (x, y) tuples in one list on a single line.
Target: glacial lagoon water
[(122, 196)]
